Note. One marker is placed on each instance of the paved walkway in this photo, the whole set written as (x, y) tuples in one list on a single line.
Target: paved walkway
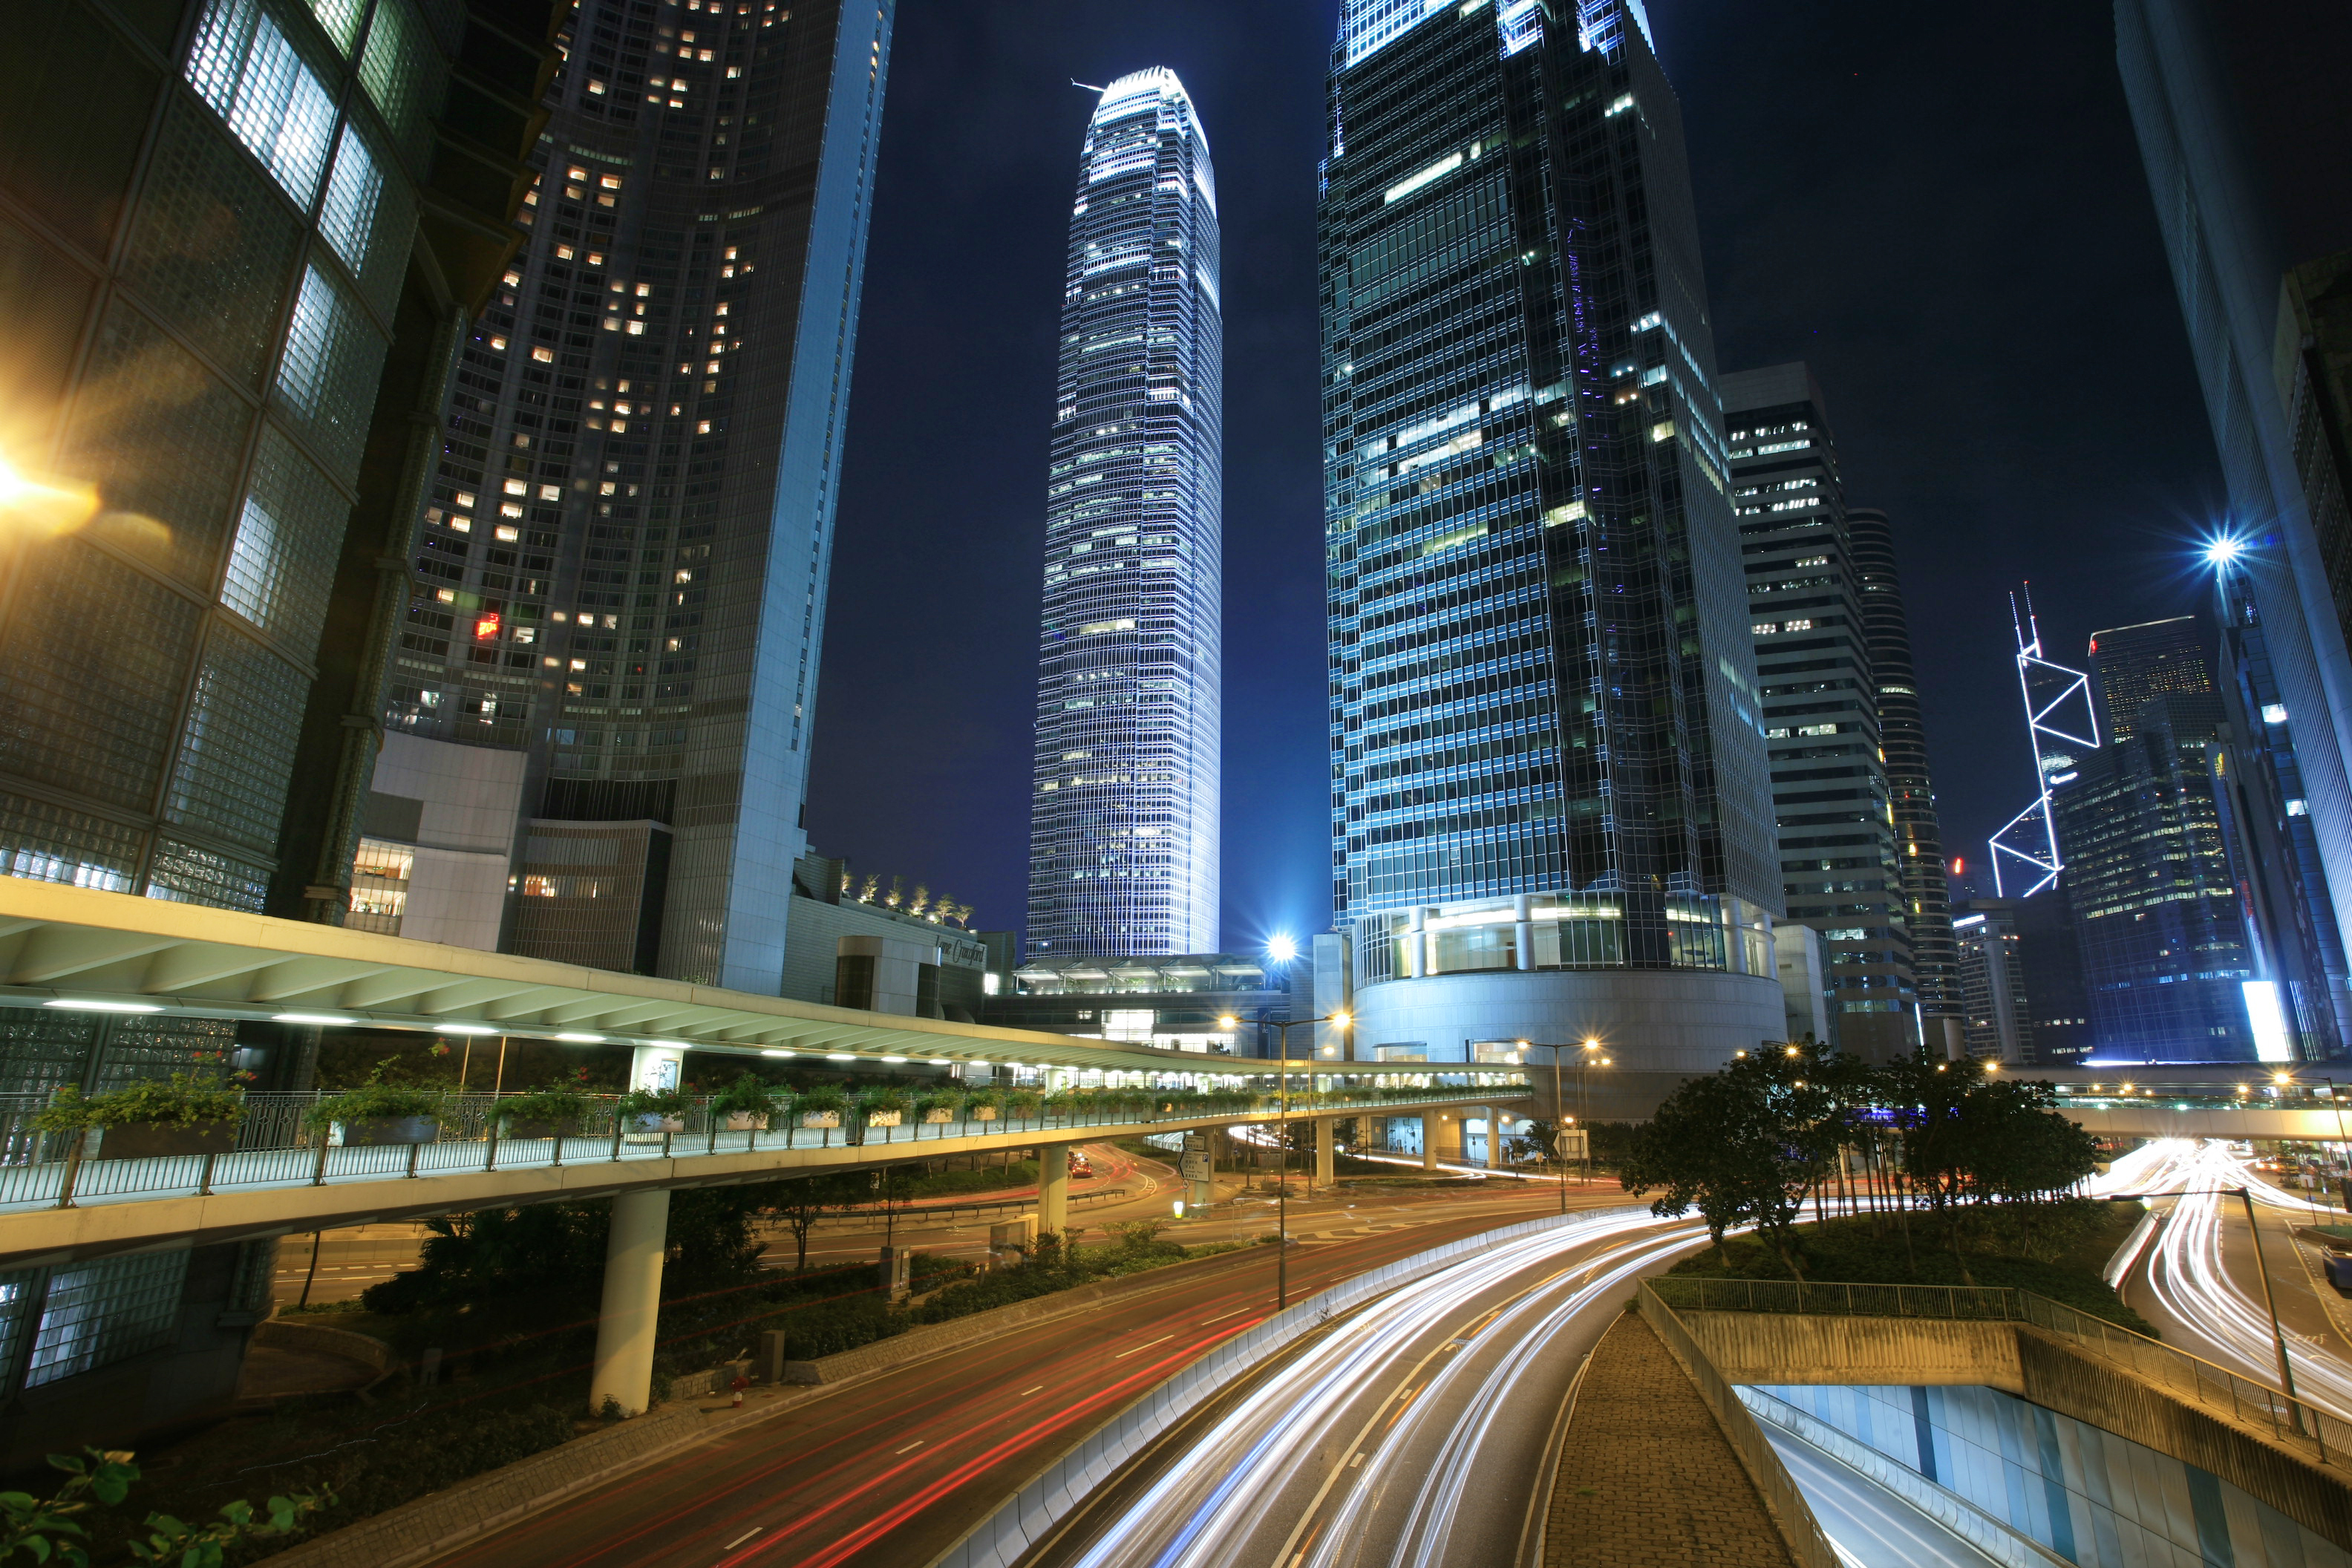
[(1647, 1476)]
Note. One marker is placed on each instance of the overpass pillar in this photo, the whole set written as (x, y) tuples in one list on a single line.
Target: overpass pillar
[(1327, 1139), (1053, 1187), (1429, 1126), (632, 1310), (1494, 1137)]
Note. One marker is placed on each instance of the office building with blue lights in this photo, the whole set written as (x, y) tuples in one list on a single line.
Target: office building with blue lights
[(1550, 812), (1124, 823)]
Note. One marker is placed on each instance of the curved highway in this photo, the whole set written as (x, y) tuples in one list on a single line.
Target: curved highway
[(1413, 1432)]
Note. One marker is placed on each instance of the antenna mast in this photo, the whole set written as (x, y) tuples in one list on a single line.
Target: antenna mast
[(2030, 840)]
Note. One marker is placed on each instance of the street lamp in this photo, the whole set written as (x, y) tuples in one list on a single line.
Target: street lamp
[(1281, 1143), (1587, 1057)]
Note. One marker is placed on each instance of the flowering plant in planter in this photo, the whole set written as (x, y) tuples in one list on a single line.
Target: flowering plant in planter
[(555, 1111), (1025, 1103), (884, 1106), (984, 1104), (939, 1105), (183, 1099), (748, 1102), (820, 1107), (378, 1099), (654, 1109)]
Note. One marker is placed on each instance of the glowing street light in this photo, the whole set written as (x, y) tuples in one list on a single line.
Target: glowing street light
[(1281, 947), (2223, 550), (51, 508)]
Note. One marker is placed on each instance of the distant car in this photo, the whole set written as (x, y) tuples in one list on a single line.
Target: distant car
[(1078, 1166)]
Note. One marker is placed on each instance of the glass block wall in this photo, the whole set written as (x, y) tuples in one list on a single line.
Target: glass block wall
[(621, 563), (207, 217), (1542, 680), (1124, 823)]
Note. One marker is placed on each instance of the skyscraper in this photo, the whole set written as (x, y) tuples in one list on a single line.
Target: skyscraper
[(1550, 812), (1123, 829), (2166, 948), (2240, 115), (626, 538), (238, 245), (1999, 1013), (1910, 793), (1839, 863), (2154, 658)]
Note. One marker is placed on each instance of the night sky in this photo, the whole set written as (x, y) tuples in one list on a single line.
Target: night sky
[(1950, 222)]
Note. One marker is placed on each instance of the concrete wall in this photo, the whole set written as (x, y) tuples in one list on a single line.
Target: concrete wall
[(467, 805), (2093, 1496), (1783, 1352)]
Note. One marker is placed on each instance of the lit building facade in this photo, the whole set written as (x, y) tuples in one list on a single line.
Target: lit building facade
[(1550, 814), (624, 551), (1910, 792), (2240, 124), (240, 242), (1124, 829), (1839, 860), (1998, 1008)]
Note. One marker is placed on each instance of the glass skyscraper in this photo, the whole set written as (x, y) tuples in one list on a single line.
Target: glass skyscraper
[(623, 554), (1124, 830), (1551, 811)]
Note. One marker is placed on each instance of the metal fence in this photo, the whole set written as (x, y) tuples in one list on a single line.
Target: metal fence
[(1799, 1528), (2322, 1435), (275, 1144)]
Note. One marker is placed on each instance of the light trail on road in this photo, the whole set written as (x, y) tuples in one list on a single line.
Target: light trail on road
[(1362, 1449), (2186, 1274)]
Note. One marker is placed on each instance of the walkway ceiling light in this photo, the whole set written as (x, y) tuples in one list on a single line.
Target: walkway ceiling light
[(840, 1056), (581, 1039), (898, 1060), (941, 1062), (312, 1018), (466, 1029), (78, 1005), (773, 1053)]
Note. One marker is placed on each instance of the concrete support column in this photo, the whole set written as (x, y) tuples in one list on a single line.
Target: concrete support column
[(1429, 1126), (1326, 1146), (1053, 1187), (625, 1331), (1494, 1137)]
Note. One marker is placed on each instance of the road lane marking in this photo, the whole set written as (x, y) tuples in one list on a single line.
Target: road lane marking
[(742, 1538), (1221, 1317), (1144, 1346), (1028, 1391), (911, 1446)]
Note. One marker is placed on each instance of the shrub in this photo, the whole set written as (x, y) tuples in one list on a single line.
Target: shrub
[(748, 1095), (184, 1099), (378, 1099), (556, 1102), (664, 1102)]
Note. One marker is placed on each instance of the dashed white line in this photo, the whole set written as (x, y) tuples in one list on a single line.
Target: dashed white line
[(911, 1446), (1145, 1346), (742, 1538)]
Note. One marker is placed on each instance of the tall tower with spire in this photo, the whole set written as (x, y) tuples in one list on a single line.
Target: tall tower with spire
[(1123, 829)]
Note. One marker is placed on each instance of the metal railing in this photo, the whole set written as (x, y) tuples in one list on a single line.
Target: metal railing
[(1799, 1528), (274, 1145), (2296, 1422)]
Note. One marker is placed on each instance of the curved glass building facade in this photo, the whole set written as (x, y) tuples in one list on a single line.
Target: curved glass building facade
[(1123, 839)]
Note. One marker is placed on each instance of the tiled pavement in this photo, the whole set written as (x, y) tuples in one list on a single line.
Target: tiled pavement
[(1647, 1476)]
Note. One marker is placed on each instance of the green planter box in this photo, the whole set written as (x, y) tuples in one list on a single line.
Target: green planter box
[(153, 1140)]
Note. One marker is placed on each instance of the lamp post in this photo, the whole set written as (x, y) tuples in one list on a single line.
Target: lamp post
[(1587, 1057), (1282, 1144)]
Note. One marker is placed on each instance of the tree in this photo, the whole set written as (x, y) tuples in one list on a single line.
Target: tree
[(1746, 1145), (51, 1529), (804, 1201)]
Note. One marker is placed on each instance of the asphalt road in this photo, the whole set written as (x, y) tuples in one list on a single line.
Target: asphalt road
[(2196, 1281), (1871, 1526), (1414, 1430), (891, 1471)]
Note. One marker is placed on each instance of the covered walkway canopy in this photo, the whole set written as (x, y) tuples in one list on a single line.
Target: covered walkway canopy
[(73, 948)]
